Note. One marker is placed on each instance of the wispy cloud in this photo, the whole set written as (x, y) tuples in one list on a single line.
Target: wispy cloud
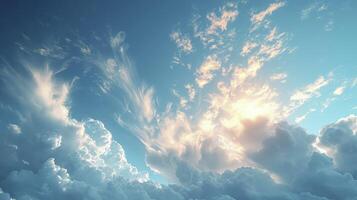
[(182, 42), (216, 32), (310, 90), (227, 15), (258, 18), (314, 7), (14, 128), (247, 48), (299, 119), (339, 90), (205, 72), (191, 91), (57, 138), (299, 97), (279, 77), (119, 71), (319, 10)]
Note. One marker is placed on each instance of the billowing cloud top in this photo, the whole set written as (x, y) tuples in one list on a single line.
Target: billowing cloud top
[(215, 102)]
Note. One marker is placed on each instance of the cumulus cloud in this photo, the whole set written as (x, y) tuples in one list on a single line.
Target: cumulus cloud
[(339, 140), (225, 156), (235, 148), (55, 151), (286, 152)]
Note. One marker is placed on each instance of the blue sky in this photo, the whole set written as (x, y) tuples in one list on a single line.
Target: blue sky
[(148, 92)]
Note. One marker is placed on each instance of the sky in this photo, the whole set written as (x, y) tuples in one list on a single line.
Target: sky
[(189, 99)]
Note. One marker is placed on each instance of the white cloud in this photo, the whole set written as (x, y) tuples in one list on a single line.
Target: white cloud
[(303, 117), (14, 128), (314, 7), (117, 40), (182, 42), (182, 101), (260, 16), (79, 147), (228, 14), (310, 90), (299, 97), (191, 91), (85, 49), (50, 50), (205, 73), (338, 91), (279, 77), (237, 127), (318, 10), (118, 71), (217, 33), (52, 96), (247, 48)]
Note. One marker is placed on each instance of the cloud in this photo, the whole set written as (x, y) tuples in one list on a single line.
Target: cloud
[(205, 71), (232, 151), (310, 90), (84, 48), (183, 101), (257, 18), (248, 46), (302, 117), (279, 77), (234, 146), (231, 112), (299, 97), (319, 10), (14, 128), (191, 91), (119, 72), (314, 7), (286, 152), (52, 50), (214, 31), (339, 140), (55, 151), (227, 14), (183, 43), (338, 91), (261, 51)]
